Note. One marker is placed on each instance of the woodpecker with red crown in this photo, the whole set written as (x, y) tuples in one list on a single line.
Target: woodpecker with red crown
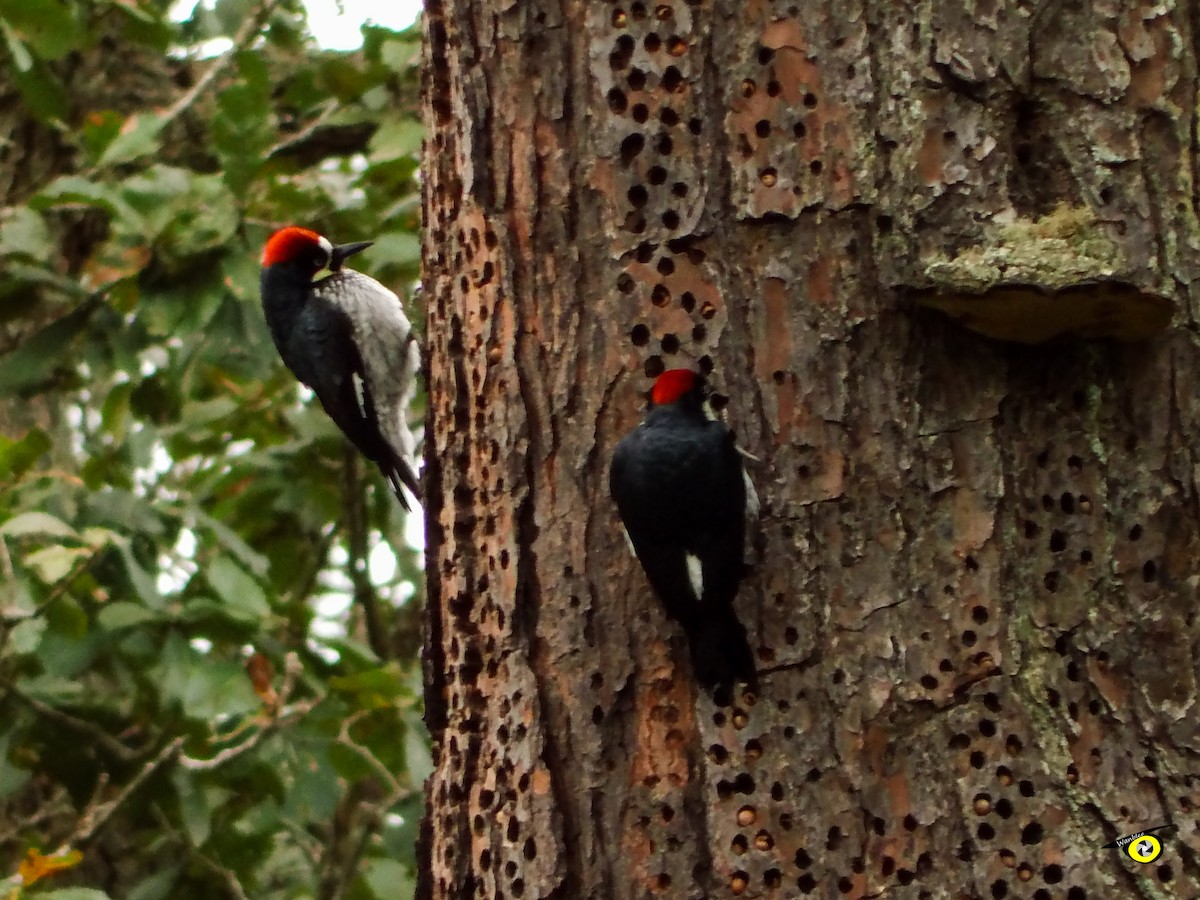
[(345, 336), (683, 497)]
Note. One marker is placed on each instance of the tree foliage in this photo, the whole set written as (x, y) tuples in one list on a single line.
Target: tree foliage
[(205, 690)]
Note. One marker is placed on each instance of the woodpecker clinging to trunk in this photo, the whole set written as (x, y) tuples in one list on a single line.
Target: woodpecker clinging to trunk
[(346, 337), (684, 497)]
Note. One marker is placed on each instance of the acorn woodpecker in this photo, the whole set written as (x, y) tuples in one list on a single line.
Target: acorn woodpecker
[(345, 336), (683, 497)]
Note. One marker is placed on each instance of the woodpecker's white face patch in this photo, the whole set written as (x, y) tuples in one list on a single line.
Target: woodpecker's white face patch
[(695, 574), (326, 248)]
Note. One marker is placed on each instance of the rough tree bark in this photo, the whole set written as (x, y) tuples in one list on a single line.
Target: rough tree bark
[(975, 569)]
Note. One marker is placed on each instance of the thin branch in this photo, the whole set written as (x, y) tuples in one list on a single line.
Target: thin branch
[(356, 565), (284, 716), (168, 829), (92, 731), (344, 849), (381, 771), (371, 818), (320, 556), (96, 814), (246, 34), (56, 807), (231, 880), (60, 587)]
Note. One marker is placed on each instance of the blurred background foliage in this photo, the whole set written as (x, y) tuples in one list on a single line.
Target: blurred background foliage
[(208, 604)]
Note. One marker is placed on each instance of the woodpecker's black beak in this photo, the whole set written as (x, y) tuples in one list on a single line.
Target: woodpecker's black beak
[(340, 252)]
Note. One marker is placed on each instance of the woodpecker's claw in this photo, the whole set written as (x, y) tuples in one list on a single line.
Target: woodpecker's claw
[(340, 252)]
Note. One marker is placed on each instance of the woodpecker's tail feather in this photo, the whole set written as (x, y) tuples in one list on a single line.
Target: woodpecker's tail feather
[(721, 653), (401, 475)]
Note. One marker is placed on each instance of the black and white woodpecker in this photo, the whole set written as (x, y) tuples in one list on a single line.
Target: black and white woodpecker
[(345, 336), (684, 498)]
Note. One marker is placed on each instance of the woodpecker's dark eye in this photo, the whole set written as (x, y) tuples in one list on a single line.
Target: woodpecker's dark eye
[(320, 259)]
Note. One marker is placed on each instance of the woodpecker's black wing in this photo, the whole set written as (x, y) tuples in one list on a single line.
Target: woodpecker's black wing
[(321, 352), (679, 487), (387, 363)]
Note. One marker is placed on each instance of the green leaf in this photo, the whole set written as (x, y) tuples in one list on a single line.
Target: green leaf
[(348, 762), (187, 213), (418, 759), (37, 357), (400, 55), (40, 523), (55, 690), (232, 13), (99, 130), (159, 886), (139, 578), (205, 218), (243, 596), (233, 542), (22, 58), (18, 601), (53, 564), (396, 138), (68, 622), (374, 687), (153, 193), (24, 233), (51, 28), (387, 878), (351, 650), (138, 136), (16, 457), (75, 893), (197, 802), (202, 686), (202, 413), (70, 190), (126, 512), (240, 272), (12, 777), (121, 615), (399, 248), (26, 636), (193, 810), (114, 411), (43, 92)]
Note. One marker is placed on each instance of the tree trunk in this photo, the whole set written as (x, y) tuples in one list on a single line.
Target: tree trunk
[(974, 595)]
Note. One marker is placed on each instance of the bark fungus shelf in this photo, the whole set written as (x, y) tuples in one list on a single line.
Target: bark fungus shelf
[(1037, 280)]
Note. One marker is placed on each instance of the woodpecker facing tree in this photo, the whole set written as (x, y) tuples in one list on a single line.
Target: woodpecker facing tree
[(346, 337), (683, 497)]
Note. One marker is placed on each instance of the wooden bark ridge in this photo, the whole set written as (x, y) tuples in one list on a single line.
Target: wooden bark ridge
[(976, 571)]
